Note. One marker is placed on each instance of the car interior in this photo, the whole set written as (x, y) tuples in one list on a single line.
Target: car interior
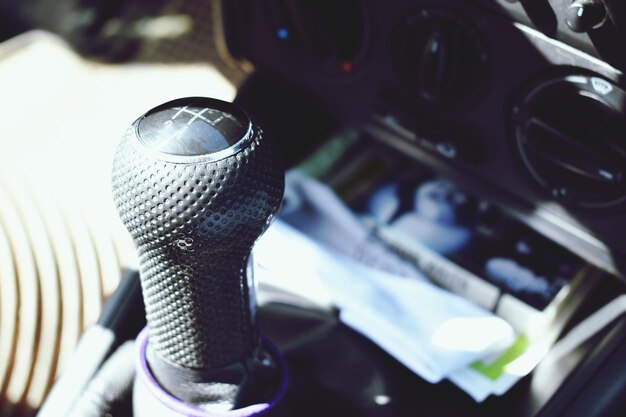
[(312, 208)]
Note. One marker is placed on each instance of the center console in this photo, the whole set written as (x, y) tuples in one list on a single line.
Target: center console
[(511, 98)]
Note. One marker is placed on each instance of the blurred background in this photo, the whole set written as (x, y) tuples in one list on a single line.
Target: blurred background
[(73, 77), (520, 102)]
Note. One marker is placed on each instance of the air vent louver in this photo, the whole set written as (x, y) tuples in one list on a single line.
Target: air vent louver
[(440, 58)]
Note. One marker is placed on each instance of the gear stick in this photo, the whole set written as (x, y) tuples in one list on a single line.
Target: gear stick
[(196, 183)]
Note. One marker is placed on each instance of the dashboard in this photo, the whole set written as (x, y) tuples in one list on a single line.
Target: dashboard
[(503, 96), (522, 103)]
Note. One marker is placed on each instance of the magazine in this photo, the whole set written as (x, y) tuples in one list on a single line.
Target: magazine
[(400, 214)]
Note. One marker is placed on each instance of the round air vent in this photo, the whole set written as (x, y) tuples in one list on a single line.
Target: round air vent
[(440, 57), (570, 132), (328, 34)]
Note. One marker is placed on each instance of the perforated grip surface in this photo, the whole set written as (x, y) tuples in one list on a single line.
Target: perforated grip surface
[(194, 220)]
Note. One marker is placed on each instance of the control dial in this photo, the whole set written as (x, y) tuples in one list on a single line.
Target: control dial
[(585, 15), (570, 133), (440, 58)]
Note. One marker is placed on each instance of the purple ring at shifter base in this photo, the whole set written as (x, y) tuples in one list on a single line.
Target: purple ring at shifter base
[(189, 410)]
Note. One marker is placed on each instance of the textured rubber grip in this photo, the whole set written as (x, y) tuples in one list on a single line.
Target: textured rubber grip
[(195, 217)]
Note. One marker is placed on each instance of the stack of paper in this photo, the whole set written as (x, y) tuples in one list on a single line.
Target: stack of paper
[(431, 331), (326, 254)]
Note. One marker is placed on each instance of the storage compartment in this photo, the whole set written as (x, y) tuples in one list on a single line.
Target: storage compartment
[(462, 242)]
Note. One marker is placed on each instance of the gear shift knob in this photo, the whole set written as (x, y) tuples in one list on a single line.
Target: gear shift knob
[(196, 183)]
